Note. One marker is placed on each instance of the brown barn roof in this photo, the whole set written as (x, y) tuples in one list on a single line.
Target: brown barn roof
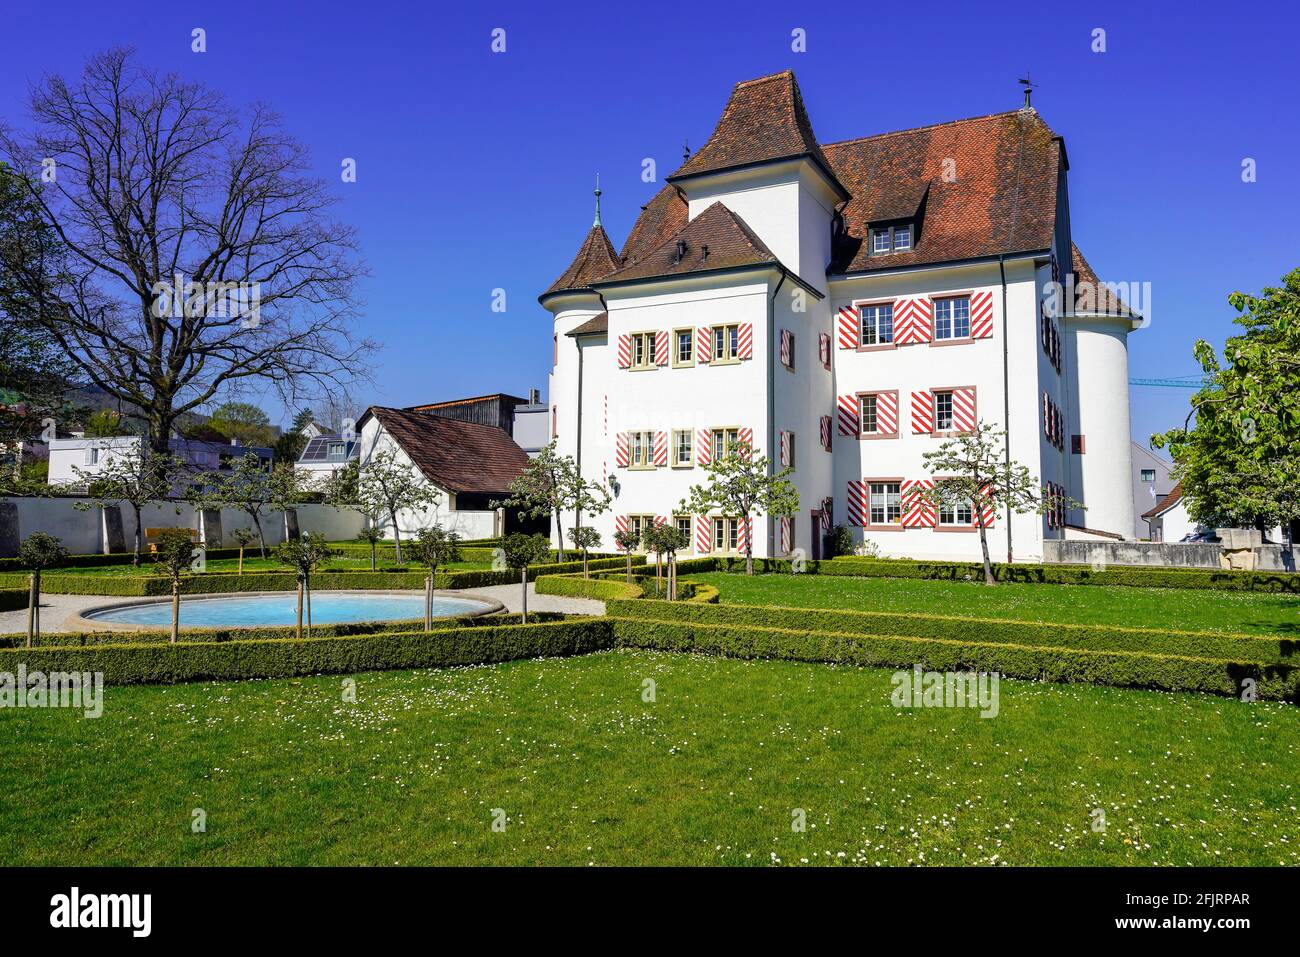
[(1090, 294), (715, 239), (999, 194), (596, 258), (1171, 499), (764, 120), (454, 455)]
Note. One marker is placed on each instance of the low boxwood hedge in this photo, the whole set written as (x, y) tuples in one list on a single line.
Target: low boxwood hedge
[(1197, 644), (1133, 576), (164, 663), (1123, 668), (575, 586), (12, 599), (118, 558), (64, 639)]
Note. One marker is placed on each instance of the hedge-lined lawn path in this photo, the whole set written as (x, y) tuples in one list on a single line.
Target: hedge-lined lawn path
[(253, 563), (56, 609), (587, 772), (1179, 608)]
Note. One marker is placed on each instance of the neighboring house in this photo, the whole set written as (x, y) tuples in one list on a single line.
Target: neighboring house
[(1151, 482), (844, 309), (324, 454), (1167, 519), (92, 456), (524, 420), (469, 465)]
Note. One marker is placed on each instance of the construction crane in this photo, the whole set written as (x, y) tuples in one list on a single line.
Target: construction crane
[(1176, 382)]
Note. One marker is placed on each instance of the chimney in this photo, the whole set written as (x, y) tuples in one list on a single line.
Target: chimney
[(534, 396)]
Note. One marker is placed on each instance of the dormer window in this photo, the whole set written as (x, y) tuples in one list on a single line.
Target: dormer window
[(891, 239)]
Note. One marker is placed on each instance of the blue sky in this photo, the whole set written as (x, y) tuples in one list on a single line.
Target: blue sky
[(475, 169)]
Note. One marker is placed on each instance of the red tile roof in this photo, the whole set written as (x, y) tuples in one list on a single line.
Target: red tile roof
[(998, 194), (1091, 295), (595, 326), (660, 219), (596, 258), (454, 455), (715, 239), (764, 120), (1172, 498)]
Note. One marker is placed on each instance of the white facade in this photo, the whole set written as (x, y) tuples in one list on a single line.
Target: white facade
[(92, 456)]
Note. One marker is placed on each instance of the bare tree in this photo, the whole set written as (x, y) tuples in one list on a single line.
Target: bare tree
[(193, 251)]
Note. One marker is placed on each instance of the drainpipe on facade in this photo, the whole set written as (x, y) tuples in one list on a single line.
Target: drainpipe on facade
[(771, 402), (1006, 395)]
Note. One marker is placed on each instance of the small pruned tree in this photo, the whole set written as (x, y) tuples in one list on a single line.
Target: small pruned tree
[(584, 538), (388, 485), (518, 552), (664, 541), (249, 486), (133, 476), (372, 535), (38, 552), (740, 484), (976, 476), (551, 485), (434, 546), (243, 538), (304, 554), (175, 554), (627, 541)]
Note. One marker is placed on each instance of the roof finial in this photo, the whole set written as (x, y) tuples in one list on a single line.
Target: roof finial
[(1029, 88), (686, 150), (597, 222)]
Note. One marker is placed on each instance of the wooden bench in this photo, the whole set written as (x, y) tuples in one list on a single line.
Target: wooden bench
[(151, 536)]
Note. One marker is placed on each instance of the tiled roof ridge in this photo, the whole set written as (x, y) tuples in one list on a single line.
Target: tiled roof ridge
[(929, 126)]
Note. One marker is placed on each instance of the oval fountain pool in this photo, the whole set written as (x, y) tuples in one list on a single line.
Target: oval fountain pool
[(327, 608)]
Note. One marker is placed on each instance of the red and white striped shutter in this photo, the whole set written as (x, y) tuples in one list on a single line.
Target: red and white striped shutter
[(924, 323), (746, 437), (661, 521), (703, 534), (981, 315), (1047, 417), (704, 344), (661, 449), (787, 534), (661, 348), (849, 331), (825, 425), (887, 413), (913, 321), (625, 352), (917, 510), (986, 506), (923, 412), (963, 409), (785, 348), (703, 447), (785, 449), (848, 415), (745, 341), (620, 450), (620, 523), (824, 348), (742, 533), (856, 503)]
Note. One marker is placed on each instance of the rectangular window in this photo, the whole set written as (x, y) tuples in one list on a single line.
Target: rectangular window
[(789, 450), (683, 525), (884, 503), (1148, 475), (952, 318), (870, 423), (956, 515), (943, 412), (726, 343), (1077, 444), (643, 350), (726, 535), (724, 442), (902, 238), (641, 448), (682, 448), (684, 348), (880, 241), (878, 324), (787, 349), (891, 239)]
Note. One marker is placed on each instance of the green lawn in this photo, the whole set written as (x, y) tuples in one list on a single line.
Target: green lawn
[(252, 563), (1181, 608), (587, 772)]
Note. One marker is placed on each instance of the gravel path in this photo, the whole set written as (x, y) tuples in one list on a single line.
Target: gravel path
[(55, 609)]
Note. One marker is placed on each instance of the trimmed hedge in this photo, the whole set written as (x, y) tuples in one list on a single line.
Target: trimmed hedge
[(12, 599), (67, 639), (1267, 649), (117, 558), (1131, 576), (164, 663), (600, 589), (1123, 668)]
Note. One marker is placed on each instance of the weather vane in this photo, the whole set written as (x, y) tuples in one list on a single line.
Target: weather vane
[(1029, 86)]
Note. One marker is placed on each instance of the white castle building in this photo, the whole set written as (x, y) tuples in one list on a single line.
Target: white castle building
[(845, 308)]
